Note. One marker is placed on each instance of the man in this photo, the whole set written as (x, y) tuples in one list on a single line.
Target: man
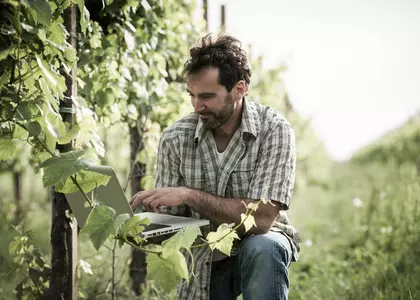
[(229, 151)]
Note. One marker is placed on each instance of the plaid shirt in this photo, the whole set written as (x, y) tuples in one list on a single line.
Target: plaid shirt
[(259, 162)]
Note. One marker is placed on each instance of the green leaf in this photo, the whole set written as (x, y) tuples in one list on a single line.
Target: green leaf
[(50, 140), (249, 222), (42, 156), (54, 124), (70, 54), (129, 39), (85, 266), (39, 32), (58, 168), (57, 35), (70, 133), (46, 90), (40, 10), (222, 239), (265, 201), (42, 35), (88, 180), (47, 74), (4, 78), (27, 110), (252, 206), (146, 5), (20, 133), (7, 149), (102, 223), (84, 15), (12, 2), (16, 245), (134, 226), (5, 52), (166, 273), (182, 239)]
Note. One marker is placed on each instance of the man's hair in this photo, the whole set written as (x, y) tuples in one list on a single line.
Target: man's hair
[(226, 54)]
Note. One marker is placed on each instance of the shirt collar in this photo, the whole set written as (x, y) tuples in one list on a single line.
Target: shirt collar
[(251, 121)]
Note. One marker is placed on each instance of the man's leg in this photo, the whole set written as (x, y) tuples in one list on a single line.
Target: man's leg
[(262, 267), (221, 282)]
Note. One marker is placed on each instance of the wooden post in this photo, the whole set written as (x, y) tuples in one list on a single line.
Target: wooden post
[(63, 234), (17, 184), (138, 258), (223, 19), (206, 14)]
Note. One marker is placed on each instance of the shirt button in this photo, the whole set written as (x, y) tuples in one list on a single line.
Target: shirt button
[(207, 263), (205, 288)]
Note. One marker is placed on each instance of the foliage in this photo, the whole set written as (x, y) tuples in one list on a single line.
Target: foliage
[(32, 270), (364, 243), (132, 58), (400, 145), (140, 65), (166, 263), (130, 67), (35, 58)]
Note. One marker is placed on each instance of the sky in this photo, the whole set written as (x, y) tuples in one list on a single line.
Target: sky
[(353, 66)]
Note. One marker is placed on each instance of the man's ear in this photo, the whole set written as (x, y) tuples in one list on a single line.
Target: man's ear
[(241, 89)]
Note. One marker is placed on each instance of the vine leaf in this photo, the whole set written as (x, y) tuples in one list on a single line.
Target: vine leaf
[(71, 132), (182, 239), (133, 227), (222, 239), (47, 74), (58, 168), (166, 272), (102, 223), (85, 266), (249, 221), (89, 181), (5, 52), (40, 10), (7, 149)]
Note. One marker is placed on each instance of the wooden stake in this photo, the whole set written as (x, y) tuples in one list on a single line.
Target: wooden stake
[(63, 234)]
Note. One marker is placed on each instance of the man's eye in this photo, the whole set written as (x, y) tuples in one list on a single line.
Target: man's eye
[(208, 96)]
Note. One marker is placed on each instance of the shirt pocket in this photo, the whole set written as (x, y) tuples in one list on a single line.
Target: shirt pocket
[(239, 183)]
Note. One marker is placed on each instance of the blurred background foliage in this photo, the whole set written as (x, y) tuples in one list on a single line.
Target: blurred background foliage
[(359, 218)]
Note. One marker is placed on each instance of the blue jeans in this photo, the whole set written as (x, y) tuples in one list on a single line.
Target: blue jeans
[(259, 271)]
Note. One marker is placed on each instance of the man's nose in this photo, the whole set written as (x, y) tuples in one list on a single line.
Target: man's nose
[(199, 105)]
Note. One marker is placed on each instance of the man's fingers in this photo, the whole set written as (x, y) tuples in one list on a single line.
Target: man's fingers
[(152, 202), (139, 197)]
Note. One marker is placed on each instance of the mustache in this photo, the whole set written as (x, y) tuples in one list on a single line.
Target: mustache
[(206, 113)]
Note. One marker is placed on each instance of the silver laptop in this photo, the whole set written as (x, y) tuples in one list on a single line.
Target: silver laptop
[(113, 196)]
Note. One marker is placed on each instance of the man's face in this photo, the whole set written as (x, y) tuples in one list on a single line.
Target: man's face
[(210, 100)]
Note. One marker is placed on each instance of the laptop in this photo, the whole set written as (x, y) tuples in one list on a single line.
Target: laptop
[(113, 196)]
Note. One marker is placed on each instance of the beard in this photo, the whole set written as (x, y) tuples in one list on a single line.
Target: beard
[(215, 119)]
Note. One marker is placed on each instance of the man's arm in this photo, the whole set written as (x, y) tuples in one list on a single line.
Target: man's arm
[(228, 210), (167, 172), (273, 179)]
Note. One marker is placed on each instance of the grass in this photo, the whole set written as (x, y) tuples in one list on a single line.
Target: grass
[(361, 231), (361, 235)]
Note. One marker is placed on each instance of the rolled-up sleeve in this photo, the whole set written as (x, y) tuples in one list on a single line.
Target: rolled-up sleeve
[(274, 175), (167, 171)]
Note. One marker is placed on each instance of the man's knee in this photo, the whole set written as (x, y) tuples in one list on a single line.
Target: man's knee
[(272, 246)]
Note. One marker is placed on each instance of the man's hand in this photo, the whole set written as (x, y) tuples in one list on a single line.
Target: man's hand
[(155, 198)]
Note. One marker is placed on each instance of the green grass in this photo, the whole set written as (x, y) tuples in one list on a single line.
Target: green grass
[(361, 231), (363, 251)]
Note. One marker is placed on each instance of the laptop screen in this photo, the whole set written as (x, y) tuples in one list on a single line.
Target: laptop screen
[(111, 195)]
